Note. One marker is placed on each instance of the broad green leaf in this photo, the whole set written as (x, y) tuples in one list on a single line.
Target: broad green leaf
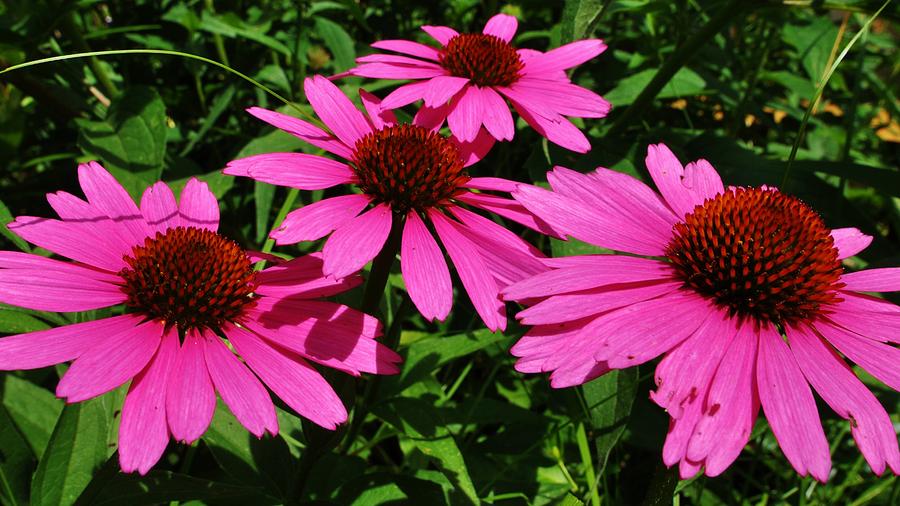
[(33, 409), (131, 142), (263, 193), (219, 105), (420, 422), (579, 18), (160, 487), (17, 322), (684, 83), (338, 42), (385, 488), (813, 43), (5, 218), (610, 398), (16, 462), (79, 445)]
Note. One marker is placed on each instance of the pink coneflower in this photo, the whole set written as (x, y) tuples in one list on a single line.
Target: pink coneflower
[(473, 72), (406, 171), (748, 302), (185, 288)]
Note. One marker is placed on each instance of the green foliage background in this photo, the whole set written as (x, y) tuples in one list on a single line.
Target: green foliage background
[(729, 81)]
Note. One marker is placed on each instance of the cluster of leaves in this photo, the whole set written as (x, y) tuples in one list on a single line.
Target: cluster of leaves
[(729, 81)]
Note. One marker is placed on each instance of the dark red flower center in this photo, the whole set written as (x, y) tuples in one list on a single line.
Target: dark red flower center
[(760, 254), (408, 167), (188, 277), (487, 60)]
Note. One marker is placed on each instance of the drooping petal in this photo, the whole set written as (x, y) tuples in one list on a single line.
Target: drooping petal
[(106, 194), (159, 208), (503, 26), (466, 115), (408, 47), (474, 274), (850, 241), (405, 95), (496, 116), (442, 88), (43, 348), (241, 391), (542, 343), (564, 57), (304, 131), (297, 170), (198, 206), (302, 278), (790, 408), (442, 34), (509, 209), (557, 130), (94, 244), (111, 362), (293, 380), (474, 151), (190, 397), (679, 437), (143, 432), (319, 219), (492, 184), (848, 397), (868, 316), (379, 116), (683, 189), (432, 118), (563, 98), (879, 360), (336, 110), (357, 241), (873, 280), (424, 270), (74, 289)]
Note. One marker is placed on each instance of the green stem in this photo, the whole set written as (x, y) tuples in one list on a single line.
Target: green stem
[(677, 60), (217, 38), (381, 267)]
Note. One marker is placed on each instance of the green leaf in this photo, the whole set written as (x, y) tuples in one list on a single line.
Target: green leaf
[(131, 142), (426, 355), (579, 18), (16, 463), (17, 322), (684, 83), (230, 25), (813, 43), (33, 409), (159, 487), (338, 41), (5, 218), (419, 421), (386, 488), (610, 398), (81, 442), (571, 500), (263, 194), (219, 183)]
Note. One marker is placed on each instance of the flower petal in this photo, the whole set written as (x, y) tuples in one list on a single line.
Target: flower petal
[(159, 208), (405, 95), (304, 131), (557, 129), (198, 206), (574, 306), (336, 110), (440, 89), (408, 47), (302, 278), (190, 397), (296, 170), (682, 191), (424, 270), (509, 209), (357, 241), (71, 208), (850, 241), (442, 34), (563, 98), (503, 26), (868, 316), (378, 116), (496, 116), (95, 244), (465, 116), (106, 194), (873, 280), (878, 359), (563, 57), (73, 289), (319, 219)]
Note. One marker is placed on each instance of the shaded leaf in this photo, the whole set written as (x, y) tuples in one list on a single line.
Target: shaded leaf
[(33, 409), (164, 486), (338, 42), (610, 398), (684, 83), (17, 322)]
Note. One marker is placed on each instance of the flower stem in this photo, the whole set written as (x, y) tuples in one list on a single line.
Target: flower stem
[(381, 268)]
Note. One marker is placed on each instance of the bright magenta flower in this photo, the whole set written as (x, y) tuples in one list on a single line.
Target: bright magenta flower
[(409, 170), (467, 78), (739, 269), (185, 287)]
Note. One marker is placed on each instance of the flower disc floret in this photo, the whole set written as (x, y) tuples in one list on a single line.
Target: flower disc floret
[(487, 60), (408, 167), (188, 277), (758, 253)]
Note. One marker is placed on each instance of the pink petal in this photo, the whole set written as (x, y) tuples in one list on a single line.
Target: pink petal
[(873, 280), (850, 241), (62, 344), (398, 61), (474, 274), (190, 397), (543, 343), (442, 34), (790, 408), (106, 194), (75, 289), (302, 277), (466, 115), (297, 170), (731, 407), (76, 240), (432, 118), (424, 270), (336, 110), (357, 241), (509, 209), (563, 57), (241, 391), (474, 151), (293, 380), (379, 70), (683, 190), (159, 208), (578, 371), (606, 270), (530, 100), (558, 130), (440, 89), (635, 339), (503, 26), (492, 184), (405, 95), (848, 397), (199, 207), (306, 132), (71, 208), (879, 360), (15, 260), (497, 118), (378, 116), (868, 316), (564, 98), (318, 219), (679, 437), (112, 361), (573, 306), (408, 47), (143, 433), (688, 369)]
